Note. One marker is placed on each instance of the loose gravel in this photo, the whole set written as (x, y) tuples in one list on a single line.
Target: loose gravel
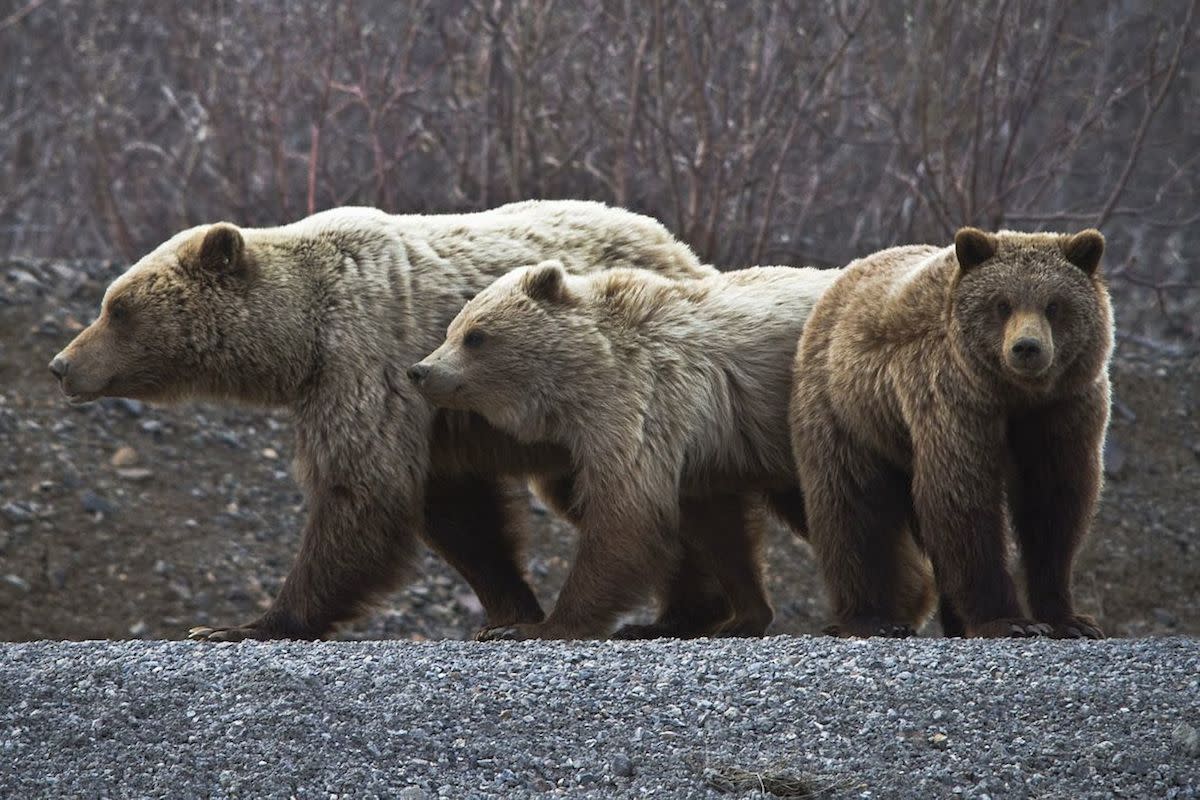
[(795, 716)]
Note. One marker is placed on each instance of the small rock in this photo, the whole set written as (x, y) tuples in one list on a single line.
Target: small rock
[(124, 457), (272, 454), (413, 793), (1186, 739), (588, 779), (151, 426), (138, 628), (134, 408), (938, 740), (135, 473), (95, 504), (1114, 459), (622, 767), (17, 582), (16, 512), (1164, 617), (22, 278)]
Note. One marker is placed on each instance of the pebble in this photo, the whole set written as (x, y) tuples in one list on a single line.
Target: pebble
[(95, 504), (1114, 458), (135, 473), (1186, 739), (17, 582), (15, 511), (125, 456), (622, 767)]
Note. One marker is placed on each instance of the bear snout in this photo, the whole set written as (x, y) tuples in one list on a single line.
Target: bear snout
[(1026, 349), (59, 366), (1029, 356), (418, 372)]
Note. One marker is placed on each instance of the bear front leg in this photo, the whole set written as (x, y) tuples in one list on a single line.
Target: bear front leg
[(628, 545), (958, 492), (857, 510), (353, 548), (1056, 486)]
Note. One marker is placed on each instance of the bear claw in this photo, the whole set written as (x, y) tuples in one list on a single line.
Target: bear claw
[(1078, 626), (862, 629), (202, 633)]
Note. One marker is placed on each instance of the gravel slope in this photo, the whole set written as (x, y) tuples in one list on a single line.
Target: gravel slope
[(917, 718)]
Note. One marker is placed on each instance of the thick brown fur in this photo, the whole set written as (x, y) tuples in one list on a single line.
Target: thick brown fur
[(670, 396), (318, 317), (944, 396)]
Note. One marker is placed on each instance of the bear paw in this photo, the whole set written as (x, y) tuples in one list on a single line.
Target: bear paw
[(866, 627), (1009, 628), (1076, 626), (235, 634), (506, 633), (653, 630)]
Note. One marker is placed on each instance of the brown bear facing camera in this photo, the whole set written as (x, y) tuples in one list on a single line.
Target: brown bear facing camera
[(943, 397), (665, 394), (314, 317)]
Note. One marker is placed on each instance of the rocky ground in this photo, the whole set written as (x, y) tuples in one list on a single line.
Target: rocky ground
[(785, 716), (119, 520)]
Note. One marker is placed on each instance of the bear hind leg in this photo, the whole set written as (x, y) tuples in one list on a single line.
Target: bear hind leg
[(479, 526)]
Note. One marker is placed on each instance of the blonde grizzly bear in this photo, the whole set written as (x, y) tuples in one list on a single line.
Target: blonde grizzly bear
[(944, 395), (313, 317), (663, 392)]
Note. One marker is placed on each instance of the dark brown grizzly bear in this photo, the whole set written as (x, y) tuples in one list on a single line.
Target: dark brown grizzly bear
[(942, 396), (314, 317)]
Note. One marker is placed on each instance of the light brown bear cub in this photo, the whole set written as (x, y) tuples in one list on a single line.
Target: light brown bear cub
[(314, 317), (944, 395), (660, 390)]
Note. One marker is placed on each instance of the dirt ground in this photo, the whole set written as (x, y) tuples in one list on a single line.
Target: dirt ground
[(119, 520)]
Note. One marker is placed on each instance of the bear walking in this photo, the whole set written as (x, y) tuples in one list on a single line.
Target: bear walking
[(666, 394), (315, 316), (943, 395)]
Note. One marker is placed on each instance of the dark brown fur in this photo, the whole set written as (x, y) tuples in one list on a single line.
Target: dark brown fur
[(942, 396)]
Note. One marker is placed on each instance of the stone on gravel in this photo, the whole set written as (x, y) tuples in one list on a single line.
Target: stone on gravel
[(95, 504), (1186, 739), (125, 456)]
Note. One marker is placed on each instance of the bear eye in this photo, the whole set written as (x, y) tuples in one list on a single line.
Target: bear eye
[(1051, 310), (118, 311), (1004, 308), (473, 338)]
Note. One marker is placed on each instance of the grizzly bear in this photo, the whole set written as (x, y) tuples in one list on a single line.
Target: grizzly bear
[(313, 317), (664, 393), (943, 395)]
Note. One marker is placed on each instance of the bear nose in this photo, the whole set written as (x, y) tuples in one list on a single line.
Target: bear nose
[(417, 372), (1027, 348), (59, 367)]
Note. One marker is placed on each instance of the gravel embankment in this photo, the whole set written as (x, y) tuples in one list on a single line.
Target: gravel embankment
[(917, 718)]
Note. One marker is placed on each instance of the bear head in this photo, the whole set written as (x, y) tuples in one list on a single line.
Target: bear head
[(511, 352), (169, 327), (1031, 309)]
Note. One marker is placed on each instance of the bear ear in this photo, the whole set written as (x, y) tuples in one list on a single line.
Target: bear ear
[(222, 250), (1084, 249), (547, 281), (973, 247)]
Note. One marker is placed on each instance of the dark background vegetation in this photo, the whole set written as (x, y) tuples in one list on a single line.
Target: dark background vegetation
[(782, 132), (759, 132)]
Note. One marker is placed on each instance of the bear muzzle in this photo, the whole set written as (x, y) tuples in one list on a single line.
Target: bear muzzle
[(417, 373)]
